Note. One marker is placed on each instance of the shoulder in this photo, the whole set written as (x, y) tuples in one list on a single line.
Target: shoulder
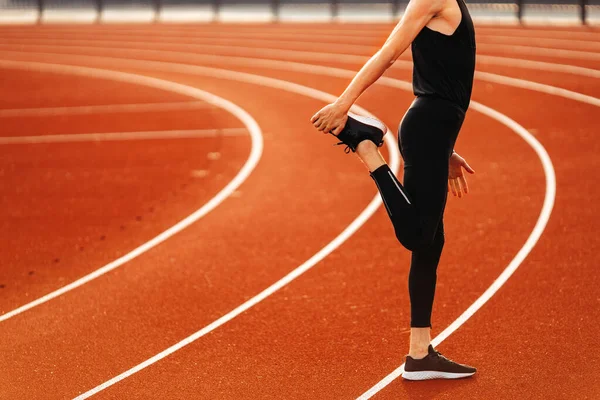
[(425, 7)]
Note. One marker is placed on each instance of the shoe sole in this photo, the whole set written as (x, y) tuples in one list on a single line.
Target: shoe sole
[(425, 375), (370, 121)]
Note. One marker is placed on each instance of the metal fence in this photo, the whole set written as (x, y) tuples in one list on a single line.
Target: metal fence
[(541, 11)]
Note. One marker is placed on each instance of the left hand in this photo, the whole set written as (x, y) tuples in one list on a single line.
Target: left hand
[(330, 119), (457, 182)]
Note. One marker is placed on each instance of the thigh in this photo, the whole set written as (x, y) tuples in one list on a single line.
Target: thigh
[(427, 135)]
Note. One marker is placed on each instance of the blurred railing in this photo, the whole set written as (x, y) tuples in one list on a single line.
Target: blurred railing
[(493, 11)]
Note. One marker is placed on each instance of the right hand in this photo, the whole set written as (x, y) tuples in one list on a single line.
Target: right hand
[(330, 119), (457, 183)]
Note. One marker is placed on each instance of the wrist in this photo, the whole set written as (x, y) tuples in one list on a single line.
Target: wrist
[(343, 104)]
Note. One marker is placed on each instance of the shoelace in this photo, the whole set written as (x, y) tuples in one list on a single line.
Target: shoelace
[(443, 359), (347, 149)]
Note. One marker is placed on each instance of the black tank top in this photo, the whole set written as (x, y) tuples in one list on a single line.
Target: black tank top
[(444, 65)]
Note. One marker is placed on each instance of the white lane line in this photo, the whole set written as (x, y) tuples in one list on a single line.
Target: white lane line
[(100, 109), (222, 41), (533, 238), (248, 167), (584, 45), (538, 87), (543, 51), (123, 136), (539, 65), (311, 262)]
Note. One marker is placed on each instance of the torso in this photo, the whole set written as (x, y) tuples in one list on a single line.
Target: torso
[(444, 56)]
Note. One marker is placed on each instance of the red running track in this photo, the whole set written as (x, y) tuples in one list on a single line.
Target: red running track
[(70, 208)]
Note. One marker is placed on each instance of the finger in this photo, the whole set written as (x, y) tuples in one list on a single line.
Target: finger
[(467, 167), (452, 188), (320, 124), (316, 122), (457, 188), (463, 183), (337, 130), (448, 186), (314, 118)]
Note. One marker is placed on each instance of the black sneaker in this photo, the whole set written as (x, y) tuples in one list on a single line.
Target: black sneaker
[(434, 366), (359, 128)]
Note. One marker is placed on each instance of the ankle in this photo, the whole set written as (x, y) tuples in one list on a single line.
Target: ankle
[(417, 355), (418, 352), (369, 154), (366, 148)]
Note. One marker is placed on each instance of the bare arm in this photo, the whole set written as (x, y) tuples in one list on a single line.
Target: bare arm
[(418, 13)]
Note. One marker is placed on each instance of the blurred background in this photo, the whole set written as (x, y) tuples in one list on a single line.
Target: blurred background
[(555, 12)]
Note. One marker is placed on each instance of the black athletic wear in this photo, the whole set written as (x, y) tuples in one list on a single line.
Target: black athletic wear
[(442, 81), (443, 65), (427, 135)]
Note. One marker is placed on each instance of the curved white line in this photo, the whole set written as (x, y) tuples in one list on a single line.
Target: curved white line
[(521, 255), (538, 87), (539, 65), (311, 262), (122, 136), (545, 51), (99, 109), (248, 167)]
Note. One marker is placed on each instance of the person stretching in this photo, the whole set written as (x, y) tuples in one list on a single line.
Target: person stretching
[(442, 39)]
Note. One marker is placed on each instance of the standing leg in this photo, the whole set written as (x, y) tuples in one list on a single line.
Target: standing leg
[(427, 136), (427, 184), (422, 280)]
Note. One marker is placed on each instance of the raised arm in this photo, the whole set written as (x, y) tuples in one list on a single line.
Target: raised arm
[(418, 13)]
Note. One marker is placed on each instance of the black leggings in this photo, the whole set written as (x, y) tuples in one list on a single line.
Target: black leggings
[(427, 135)]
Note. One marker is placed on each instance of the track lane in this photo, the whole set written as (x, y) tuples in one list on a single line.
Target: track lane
[(31, 89), (105, 198)]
